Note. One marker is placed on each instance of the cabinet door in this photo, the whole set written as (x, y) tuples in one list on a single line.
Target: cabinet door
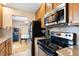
[(7, 49), (56, 4), (70, 10), (2, 52), (2, 49), (2, 46), (49, 7), (75, 12), (42, 23), (0, 15), (10, 47)]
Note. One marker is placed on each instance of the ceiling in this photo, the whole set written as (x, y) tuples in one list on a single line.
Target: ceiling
[(30, 7)]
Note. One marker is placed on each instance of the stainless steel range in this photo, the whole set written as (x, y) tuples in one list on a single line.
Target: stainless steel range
[(57, 40)]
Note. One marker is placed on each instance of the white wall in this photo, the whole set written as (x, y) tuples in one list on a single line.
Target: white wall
[(8, 12), (23, 27)]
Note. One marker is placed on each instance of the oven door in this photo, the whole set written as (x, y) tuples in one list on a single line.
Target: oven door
[(51, 20), (62, 15)]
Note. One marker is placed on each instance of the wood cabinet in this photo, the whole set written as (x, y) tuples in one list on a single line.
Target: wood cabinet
[(39, 15), (6, 48), (74, 13), (2, 52), (9, 47), (40, 12), (2, 49), (42, 22), (49, 7), (70, 10), (56, 4), (0, 15)]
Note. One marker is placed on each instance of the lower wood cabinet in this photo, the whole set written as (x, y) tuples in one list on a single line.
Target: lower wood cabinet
[(6, 48), (2, 52), (10, 47), (2, 49)]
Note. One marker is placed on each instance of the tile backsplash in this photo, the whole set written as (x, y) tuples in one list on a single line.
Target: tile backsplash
[(73, 29)]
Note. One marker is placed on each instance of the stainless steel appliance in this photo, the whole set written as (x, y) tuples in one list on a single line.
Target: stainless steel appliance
[(58, 15), (34, 31), (62, 13), (57, 40), (16, 34), (51, 19)]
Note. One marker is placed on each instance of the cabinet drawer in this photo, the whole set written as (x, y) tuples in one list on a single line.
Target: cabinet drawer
[(2, 46), (2, 52)]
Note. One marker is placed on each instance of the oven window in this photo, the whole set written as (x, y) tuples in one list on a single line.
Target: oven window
[(50, 19)]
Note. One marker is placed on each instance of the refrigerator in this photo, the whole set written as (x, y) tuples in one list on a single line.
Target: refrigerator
[(15, 34), (34, 31)]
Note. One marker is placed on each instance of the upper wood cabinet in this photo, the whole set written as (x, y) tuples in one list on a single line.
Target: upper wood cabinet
[(42, 22), (39, 15), (74, 13), (0, 15), (56, 4), (40, 12), (49, 7), (70, 10)]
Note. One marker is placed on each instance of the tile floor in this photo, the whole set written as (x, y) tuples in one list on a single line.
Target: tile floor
[(20, 49)]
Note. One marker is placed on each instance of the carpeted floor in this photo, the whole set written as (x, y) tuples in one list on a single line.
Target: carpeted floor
[(20, 49)]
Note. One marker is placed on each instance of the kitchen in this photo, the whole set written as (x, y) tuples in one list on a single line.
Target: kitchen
[(56, 30)]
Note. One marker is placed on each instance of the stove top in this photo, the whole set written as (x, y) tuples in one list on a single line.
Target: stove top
[(56, 47), (56, 42)]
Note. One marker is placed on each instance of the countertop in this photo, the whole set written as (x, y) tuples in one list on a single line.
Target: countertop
[(5, 35), (40, 37), (74, 51)]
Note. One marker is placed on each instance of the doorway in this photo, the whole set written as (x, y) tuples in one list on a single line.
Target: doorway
[(20, 29)]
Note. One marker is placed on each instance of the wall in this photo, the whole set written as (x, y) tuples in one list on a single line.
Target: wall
[(8, 12), (0, 15), (73, 29), (22, 26)]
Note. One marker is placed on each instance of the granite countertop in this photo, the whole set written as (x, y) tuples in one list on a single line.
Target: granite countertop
[(5, 35), (40, 37), (74, 51)]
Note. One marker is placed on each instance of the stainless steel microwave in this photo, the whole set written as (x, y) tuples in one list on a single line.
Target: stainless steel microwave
[(58, 16), (50, 20), (62, 13)]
